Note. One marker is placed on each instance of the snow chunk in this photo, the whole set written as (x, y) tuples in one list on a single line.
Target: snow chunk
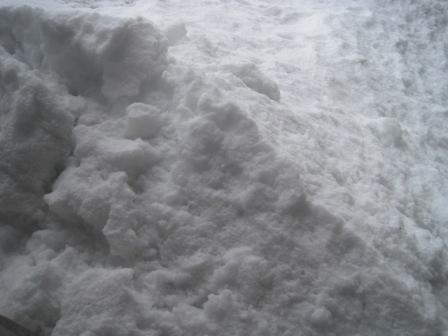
[(132, 156), (388, 131), (117, 154), (220, 306), (88, 51), (144, 121), (254, 79), (35, 139), (245, 271), (129, 234), (321, 318), (83, 197), (92, 299), (175, 33)]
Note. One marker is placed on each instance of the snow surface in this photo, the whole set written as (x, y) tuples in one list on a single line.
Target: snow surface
[(240, 167)]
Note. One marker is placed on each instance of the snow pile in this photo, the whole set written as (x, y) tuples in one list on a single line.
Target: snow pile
[(140, 197)]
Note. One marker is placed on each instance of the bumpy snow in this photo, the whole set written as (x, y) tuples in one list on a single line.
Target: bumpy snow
[(224, 167)]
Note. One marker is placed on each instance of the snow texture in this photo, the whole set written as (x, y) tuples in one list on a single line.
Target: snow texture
[(246, 169)]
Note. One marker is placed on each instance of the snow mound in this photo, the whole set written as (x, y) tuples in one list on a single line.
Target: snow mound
[(163, 205)]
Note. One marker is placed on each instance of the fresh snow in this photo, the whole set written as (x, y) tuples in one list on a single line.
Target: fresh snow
[(241, 167)]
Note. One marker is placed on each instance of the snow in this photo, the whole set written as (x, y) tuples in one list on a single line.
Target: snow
[(224, 167), (144, 121), (254, 79)]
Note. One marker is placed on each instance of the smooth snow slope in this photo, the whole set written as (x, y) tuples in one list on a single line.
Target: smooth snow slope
[(247, 168)]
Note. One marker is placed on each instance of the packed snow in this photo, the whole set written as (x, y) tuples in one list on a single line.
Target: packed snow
[(241, 167)]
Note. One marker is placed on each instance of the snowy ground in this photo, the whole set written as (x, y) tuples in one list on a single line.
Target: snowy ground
[(222, 167)]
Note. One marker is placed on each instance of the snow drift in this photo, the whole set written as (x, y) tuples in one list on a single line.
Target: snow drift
[(140, 197)]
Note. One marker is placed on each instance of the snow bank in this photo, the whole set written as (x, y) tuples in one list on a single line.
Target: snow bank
[(161, 204)]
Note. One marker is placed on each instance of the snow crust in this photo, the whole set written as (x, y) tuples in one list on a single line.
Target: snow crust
[(172, 184)]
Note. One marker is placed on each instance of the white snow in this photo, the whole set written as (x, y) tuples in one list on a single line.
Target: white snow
[(144, 121), (224, 167)]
